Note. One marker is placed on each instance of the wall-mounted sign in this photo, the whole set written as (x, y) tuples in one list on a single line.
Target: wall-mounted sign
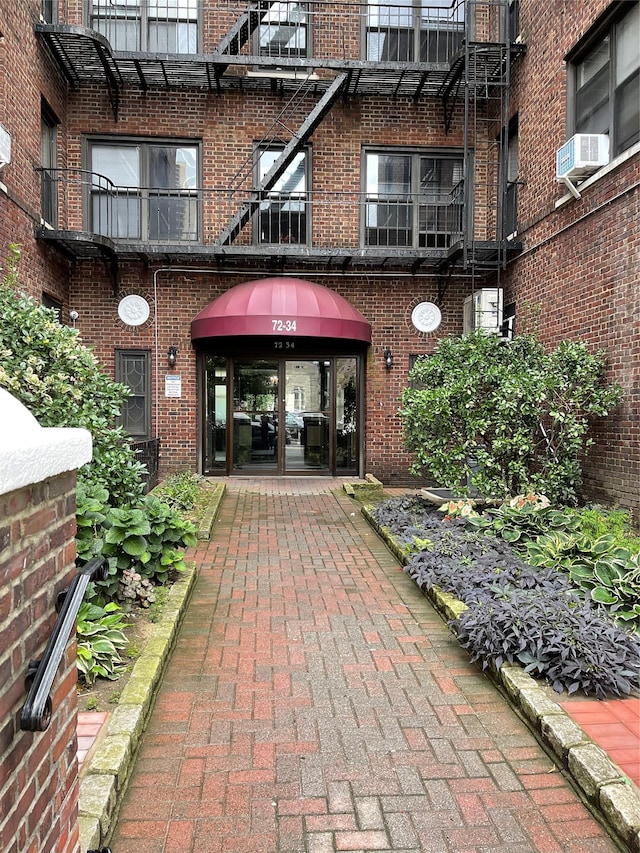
[(426, 317), (172, 386), (133, 310)]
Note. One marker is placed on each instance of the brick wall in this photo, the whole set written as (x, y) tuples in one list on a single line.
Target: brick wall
[(578, 273), (28, 80), (38, 770)]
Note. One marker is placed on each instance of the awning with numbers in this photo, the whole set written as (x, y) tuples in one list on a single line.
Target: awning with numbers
[(281, 307)]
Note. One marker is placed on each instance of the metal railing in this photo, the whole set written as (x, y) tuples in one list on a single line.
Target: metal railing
[(91, 203), (396, 32), (147, 452), (37, 709)]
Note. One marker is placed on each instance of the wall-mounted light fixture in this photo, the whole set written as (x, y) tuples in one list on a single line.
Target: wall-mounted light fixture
[(388, 358), (172, 354)]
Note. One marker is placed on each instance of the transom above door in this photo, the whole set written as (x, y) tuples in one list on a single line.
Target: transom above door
[(279, 416)]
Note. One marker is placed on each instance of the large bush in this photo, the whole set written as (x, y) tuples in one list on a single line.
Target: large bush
[(44, 365), (506, 417)]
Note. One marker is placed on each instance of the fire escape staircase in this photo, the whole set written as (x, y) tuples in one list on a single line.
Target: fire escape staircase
[(291, 148), (480, 78), (243, 29)]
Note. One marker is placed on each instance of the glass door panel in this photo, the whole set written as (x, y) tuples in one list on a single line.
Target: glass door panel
[(215, 455), (308, 415), (346, 416), (255, 415)]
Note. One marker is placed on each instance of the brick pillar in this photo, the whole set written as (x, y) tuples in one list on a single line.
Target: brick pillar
[(38, 770)]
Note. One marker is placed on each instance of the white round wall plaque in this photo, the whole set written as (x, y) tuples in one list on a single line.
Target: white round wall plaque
[(133, 310), (426, 317)]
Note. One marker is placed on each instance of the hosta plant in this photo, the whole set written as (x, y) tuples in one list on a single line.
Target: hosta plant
[(179, 491), (100, 637), (146, 540)]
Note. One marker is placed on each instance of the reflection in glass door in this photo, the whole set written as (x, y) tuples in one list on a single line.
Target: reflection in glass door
[(281, 416), (215, 415), (308, 413), (255, 414)]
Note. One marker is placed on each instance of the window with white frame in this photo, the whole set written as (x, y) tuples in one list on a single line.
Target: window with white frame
[(144, 190), (282, 215), (412, 199), (606, 81), (414, 30), (151, 26)]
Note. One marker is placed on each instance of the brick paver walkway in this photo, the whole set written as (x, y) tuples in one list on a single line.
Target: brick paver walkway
[(315, 702)]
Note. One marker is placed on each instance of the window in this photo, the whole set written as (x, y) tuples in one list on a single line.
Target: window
[(412, 200), (284, 31), (145, 191), (414, 31), (49, 11), (48, 162), (151, 26), (282, 215), (133, 368), (606, 78), (415, 384), (509, 197), (52, 302)]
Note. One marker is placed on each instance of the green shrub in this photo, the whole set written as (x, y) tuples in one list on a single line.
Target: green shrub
[(44, 365), (506, 418)]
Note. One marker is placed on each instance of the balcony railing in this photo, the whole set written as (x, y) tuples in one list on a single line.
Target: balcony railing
[(401, 31), (92, 204)]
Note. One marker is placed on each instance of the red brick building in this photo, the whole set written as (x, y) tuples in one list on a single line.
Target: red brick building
[(259, 213)]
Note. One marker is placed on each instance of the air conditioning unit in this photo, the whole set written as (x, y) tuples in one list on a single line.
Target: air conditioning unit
[(483, 310), (582, 155), (5, 147)]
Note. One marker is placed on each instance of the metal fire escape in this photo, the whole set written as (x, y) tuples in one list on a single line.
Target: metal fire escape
[(295, 144), (461, 55), (479, 83)]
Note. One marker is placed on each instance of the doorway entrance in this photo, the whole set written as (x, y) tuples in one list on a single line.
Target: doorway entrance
[(278, 415)]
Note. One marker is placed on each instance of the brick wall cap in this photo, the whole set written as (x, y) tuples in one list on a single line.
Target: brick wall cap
[(30, 453)]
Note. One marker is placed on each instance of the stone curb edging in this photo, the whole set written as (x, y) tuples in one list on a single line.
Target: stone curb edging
[(106, 774), (205, 524), (607, 791)]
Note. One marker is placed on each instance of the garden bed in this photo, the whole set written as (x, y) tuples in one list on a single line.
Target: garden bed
[(504, 610)]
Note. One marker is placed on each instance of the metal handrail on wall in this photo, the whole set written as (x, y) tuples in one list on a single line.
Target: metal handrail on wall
[(37, 710)]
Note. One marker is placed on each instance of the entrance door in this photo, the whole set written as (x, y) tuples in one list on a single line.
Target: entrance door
[(256, 414), (281, 416), (308, 413)]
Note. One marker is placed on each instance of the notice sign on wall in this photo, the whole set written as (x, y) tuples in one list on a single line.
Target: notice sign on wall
[(173, 386)]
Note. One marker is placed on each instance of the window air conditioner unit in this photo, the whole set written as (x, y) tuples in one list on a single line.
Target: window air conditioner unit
[(5, 147), (582, 155), (483, 310)]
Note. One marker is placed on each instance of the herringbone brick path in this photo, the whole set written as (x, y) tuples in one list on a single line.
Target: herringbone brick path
[(315, 703)]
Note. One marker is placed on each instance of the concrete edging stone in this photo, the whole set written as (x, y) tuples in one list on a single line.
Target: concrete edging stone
[(108, 769), (607, 791)]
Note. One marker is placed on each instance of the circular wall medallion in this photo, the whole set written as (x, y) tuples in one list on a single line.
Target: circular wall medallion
[(426, 317), (133, 310)]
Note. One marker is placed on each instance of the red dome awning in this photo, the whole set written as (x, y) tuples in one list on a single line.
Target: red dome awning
[(281, 307)]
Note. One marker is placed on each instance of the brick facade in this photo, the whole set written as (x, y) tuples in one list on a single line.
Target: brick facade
[(579, 272), (38, 770), (578, 267)]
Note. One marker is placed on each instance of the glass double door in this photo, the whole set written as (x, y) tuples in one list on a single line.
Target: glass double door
[(281, 416)]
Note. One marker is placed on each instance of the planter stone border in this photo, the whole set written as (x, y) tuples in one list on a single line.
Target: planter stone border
[(610, 795)]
